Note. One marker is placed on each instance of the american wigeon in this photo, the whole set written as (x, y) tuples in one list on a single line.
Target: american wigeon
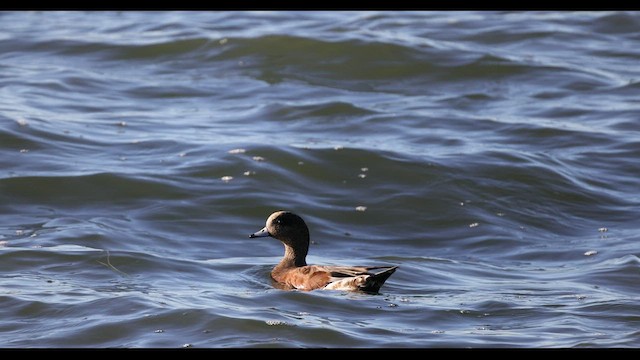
[(293, 272)]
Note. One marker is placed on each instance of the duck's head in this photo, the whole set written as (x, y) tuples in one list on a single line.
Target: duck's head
[(288, 228)]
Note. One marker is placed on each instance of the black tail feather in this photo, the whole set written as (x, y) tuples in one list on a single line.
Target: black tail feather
[(375, 281)]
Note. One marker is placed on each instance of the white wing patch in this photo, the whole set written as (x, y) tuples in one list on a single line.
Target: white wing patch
[(348, 283)]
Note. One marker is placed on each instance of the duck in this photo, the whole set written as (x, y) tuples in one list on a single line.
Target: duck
[(292, 272)]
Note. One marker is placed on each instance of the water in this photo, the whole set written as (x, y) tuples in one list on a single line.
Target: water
[(495, 156)]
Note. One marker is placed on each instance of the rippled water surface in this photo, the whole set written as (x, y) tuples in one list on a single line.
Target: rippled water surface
[(496, 157)]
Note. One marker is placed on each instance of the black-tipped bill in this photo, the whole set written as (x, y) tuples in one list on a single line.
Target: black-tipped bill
[(261, 233)]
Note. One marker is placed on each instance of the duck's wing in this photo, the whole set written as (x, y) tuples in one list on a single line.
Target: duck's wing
[(358, 278), (348, 271)]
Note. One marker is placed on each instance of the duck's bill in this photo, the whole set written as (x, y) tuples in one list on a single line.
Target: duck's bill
[(261, 233)]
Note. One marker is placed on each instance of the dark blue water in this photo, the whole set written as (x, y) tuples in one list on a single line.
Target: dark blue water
[(493, 156)]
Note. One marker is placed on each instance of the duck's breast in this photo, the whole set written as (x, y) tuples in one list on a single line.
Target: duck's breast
[(303, 278)]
